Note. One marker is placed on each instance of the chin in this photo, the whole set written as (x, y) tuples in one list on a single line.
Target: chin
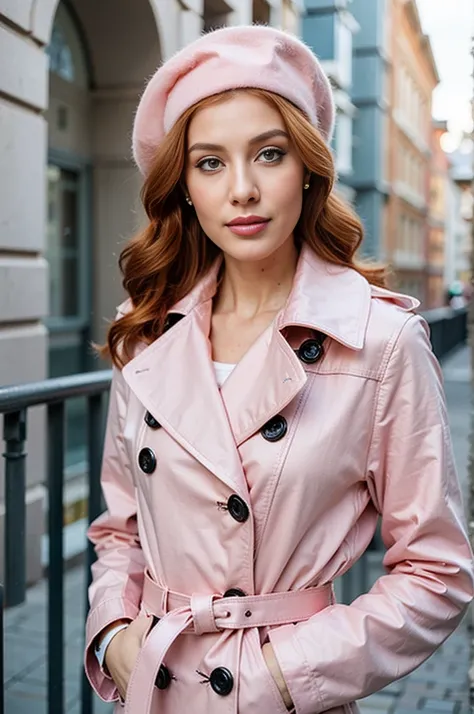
[(250, 250)]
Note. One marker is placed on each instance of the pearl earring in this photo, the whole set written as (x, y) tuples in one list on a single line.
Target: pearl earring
[(306, 186), (188, 200)]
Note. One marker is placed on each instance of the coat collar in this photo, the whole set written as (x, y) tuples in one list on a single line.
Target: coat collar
[(174, 379), (328, 298)]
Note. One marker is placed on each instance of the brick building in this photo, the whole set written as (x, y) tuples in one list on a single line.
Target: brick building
[(439, 235), (413, 78)]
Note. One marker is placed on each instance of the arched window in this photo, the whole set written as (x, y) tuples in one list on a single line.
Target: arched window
[(67, 55)]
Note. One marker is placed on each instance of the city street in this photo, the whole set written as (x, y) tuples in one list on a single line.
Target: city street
[(439, 686)]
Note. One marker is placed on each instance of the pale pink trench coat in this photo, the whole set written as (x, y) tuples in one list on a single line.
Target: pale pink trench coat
[(214, 504)]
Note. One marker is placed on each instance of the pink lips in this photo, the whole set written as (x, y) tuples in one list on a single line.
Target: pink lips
[(248, 225)]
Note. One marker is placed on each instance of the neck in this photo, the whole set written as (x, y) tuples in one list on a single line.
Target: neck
[(250, 288)]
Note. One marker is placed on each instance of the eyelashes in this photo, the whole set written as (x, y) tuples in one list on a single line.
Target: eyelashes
[(212, 164)]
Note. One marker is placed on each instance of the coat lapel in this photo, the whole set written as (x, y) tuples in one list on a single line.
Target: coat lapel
[(174, 376), (265, 380), (174, 380)]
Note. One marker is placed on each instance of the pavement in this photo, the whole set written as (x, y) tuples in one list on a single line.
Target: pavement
[(440, 686)]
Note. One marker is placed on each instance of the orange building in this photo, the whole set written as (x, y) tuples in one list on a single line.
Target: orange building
[(437, 219), (413, 78)]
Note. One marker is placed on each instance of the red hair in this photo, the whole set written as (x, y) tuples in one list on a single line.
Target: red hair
[(163, 263)]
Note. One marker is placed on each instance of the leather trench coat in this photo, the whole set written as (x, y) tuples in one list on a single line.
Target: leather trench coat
[(231, 512)]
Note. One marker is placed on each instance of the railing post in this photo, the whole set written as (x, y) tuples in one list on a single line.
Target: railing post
[(14, 434), (94, 509), (2, 645), (55, 565)]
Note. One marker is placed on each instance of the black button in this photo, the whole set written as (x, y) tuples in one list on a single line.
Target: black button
[(238, 509), (234, 592), (163, 678), (275, 429), (221, 681), (310, 351), (147, 460), (151, 421)]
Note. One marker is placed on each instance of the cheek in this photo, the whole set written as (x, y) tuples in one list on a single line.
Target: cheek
[(288, 198), (284, 188), (206, 200)]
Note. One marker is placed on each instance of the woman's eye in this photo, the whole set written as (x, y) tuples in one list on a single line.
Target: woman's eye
[(209, 164), (271, 156)]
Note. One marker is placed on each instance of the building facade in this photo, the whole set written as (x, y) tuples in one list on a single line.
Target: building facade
[(371, 96), (414, 77), (457, 268), (328, 27), (462, 212), (439, 236), (72, 72)]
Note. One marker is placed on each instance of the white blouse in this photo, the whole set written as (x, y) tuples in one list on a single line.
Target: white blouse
[(222, 371)]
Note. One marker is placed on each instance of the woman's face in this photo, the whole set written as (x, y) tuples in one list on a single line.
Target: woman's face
[(244, 177)]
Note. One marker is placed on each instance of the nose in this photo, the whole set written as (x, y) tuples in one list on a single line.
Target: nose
[(243, 187)]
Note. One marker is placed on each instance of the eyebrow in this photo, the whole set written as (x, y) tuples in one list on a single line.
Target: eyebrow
[(256, 140)]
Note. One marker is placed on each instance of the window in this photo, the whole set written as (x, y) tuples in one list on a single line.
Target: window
[(289, 17), (405, 243), (402, 159), (66, 53), (215, 15), (400, 87), (69, 315), (63, 242), (386, 79), (421, 178), (261, 12), (344, 51), (344, 144), (386, 146), (387, 28)]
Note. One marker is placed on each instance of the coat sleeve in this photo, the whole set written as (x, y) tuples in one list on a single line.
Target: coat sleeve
[(117, 574), (345, 653)]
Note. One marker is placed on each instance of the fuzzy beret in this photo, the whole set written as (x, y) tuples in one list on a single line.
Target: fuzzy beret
[(231, 58)]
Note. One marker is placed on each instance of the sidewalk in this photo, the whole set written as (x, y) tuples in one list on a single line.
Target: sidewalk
[(440, 686)]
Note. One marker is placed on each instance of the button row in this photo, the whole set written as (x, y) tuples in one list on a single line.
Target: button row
[(221, 679), (273, 430)]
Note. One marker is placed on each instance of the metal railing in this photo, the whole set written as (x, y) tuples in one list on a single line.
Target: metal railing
[(2, 702), (448, 329), (14, 403)]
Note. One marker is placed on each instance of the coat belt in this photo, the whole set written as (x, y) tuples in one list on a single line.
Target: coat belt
[(203, 613)]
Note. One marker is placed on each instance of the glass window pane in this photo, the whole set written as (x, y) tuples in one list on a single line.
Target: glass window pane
[(67, 56), (60, 55), (63, 242)]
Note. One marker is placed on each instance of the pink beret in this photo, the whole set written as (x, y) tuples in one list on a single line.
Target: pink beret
[(231, 58)]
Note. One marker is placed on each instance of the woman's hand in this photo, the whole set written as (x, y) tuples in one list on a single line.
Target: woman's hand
[(122, 652), (277, 674)]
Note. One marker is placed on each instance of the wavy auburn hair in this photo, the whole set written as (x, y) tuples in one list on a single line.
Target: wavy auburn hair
[(163, 263)]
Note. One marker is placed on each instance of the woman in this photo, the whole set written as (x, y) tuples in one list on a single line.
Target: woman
[(270, 400)]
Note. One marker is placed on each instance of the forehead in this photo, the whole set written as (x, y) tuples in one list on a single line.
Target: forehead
[(239, 117)]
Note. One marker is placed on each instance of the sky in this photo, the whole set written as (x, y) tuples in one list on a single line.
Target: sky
[(450, 26)]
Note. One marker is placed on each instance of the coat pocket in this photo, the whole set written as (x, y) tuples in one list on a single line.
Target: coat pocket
[(258, 691)]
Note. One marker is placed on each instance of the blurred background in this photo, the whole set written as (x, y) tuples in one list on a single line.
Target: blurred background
[(71, 74)]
